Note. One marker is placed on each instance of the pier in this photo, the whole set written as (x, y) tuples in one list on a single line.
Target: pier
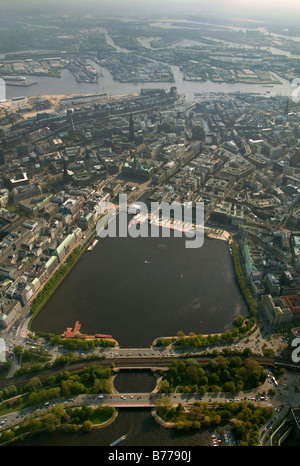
[(73, 333)]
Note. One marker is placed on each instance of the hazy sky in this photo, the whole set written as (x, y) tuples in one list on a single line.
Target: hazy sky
[(249, 8)]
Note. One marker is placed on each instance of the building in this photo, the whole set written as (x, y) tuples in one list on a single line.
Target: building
[(272, 284), (20, 179), (9, 221), (65, 247), (231, 147), (136, 168), (10, 309), (86, 220), (21, 290), (24, 192), (295, 416), (293, 303), (112, 189), (276, 310), (70, 207), (33, 205), (49, 211), (231, 214)]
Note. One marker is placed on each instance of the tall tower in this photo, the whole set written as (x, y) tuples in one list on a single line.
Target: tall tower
[(287, 107), (65, 172), (131, 129), (2, 157)]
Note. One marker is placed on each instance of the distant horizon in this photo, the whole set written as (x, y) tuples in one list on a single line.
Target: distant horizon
[(246, 9)]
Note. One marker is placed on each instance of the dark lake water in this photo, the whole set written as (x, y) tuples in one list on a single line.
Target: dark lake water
[(138, 424), (135, 381), (113, 291)]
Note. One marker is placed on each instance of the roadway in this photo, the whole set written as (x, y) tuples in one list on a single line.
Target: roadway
[(120, 400), (147, 401)]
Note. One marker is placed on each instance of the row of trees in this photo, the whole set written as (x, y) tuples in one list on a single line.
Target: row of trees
[(219, 375), (241, 280), (39, 360), (74, 343), (54, 281), (242, 326), (92, 379)]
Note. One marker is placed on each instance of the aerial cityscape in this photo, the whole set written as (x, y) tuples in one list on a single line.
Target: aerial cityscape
[(173, 320)]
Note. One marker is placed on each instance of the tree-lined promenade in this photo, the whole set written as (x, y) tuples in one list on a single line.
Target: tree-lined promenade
[(241, 327), (241, 280), (53, 283)]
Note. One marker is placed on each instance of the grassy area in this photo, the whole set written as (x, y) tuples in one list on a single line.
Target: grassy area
[(59, 416), (11, 406)]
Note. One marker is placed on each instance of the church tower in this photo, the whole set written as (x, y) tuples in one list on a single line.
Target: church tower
[(287, 107)]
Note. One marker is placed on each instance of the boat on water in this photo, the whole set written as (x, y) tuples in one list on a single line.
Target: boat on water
[(93, 245), (14, 78), (118, 440)]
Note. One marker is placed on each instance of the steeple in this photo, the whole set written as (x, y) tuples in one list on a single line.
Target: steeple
[(65, 172), (287, 107)]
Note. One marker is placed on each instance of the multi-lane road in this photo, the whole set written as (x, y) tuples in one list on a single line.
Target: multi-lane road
[(147, 400)]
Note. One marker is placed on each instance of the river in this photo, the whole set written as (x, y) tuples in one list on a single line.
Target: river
[(67, 84)]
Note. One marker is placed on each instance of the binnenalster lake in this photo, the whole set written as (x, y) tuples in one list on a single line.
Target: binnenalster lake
[(136, 291)]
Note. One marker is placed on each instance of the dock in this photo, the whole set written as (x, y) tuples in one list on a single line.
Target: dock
[(71, 333)]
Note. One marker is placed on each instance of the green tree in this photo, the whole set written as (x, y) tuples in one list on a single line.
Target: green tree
[(229, 386), (51, 422), (196, 413), (236, 362), (87, 426), (164, 386), (18, 351), (34, 384), (192, 374)]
